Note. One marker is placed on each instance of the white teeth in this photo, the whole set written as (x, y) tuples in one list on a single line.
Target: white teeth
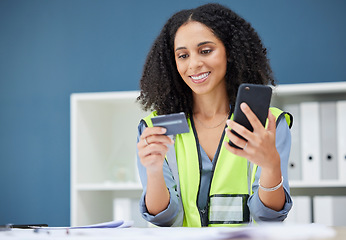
[(204, 75)]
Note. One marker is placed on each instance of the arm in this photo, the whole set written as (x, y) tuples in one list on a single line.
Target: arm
[(271, 176), (258, 210), (152, 148), (171, 214), (260, 148)]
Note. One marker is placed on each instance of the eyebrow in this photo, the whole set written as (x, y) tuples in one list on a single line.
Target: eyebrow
[(198, 45)]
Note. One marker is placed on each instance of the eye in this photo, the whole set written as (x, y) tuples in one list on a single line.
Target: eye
[(206, 51), (181, 56)]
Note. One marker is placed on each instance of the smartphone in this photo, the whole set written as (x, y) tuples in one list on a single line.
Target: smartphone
[(258, 98), (174, 123)]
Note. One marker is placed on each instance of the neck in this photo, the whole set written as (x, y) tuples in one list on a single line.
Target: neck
[(210, 105)]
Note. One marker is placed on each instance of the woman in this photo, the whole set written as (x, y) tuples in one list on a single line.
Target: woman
[(194, 179)]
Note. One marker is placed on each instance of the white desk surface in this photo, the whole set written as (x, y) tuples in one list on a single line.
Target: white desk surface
[(311, 232)]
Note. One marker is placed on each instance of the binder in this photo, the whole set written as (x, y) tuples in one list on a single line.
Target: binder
[(127, 209), (328, 128), (310, 138), (301, 212), (122, 209), (341, 134), (294, 161), (330, 210)]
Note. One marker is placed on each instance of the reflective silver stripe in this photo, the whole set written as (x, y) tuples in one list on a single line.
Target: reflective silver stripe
[(250, 167), (226, 208), (173, 166), (249, 174)]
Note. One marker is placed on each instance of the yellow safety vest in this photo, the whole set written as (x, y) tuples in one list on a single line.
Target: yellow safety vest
[(231, 184)]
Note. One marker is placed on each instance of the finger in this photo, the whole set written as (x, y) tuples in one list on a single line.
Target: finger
[(154, 139), (153, 149), (154, 135), (150, 159), (235, 139), (153, 130), (236, 151), (161, 139), (251, 116), (239, 129), (271, 122)]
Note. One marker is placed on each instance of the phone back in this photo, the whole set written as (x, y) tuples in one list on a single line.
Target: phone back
[(258, 98)]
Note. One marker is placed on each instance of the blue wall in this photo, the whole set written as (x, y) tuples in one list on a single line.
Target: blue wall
[(50, 49)]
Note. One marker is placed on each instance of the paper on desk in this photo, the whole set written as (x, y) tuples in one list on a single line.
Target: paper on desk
[(280, 231), (111, 224)]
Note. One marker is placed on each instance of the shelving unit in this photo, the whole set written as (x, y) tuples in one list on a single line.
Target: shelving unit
[(103, 150), (296, 94), (306, 192), (103, 155)]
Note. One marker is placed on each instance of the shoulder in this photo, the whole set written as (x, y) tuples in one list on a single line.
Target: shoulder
[(146, 122), (147, 119), (282, 115)]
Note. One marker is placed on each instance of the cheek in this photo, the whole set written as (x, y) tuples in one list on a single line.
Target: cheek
[(221, 63), (181, 69)]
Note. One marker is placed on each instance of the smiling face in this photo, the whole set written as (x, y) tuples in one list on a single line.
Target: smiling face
[(201, 58)]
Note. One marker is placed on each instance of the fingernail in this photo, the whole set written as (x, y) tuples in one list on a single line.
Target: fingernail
[(163, 130)]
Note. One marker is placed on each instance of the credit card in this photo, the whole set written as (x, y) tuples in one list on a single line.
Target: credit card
[(175, 123)]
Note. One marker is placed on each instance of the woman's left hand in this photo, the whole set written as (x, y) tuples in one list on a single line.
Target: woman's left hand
[(260, 145)]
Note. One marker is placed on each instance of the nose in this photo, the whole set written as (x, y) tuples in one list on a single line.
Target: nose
[(195, 62)]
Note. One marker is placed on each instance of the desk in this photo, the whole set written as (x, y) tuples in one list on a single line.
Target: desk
[(340, 233), (169, 234)]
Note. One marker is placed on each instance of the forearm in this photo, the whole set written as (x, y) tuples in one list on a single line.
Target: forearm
[(157, 195), (258, 209), (272, 199), (173, 214), (261, 213)]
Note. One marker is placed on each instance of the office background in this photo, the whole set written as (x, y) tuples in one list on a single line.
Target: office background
[(50, 49)]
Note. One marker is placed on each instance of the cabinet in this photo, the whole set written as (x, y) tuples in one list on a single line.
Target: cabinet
[(103, 156), (103, 151), (317, 165)]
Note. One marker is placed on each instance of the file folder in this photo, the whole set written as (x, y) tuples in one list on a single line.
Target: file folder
[(310, 137), (330, 210), (127, 209), (294, 162), (328, 128), (301, 212), (341, 126), (122, 209)]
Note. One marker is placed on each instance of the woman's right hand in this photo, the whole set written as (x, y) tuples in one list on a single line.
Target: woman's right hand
[(152, 148)]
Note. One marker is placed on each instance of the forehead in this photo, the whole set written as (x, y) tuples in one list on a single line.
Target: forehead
[(193, 33)]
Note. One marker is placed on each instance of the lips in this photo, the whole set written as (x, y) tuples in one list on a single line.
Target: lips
[(199, 78)]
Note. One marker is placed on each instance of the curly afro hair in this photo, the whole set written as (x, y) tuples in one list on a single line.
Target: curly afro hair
[(163, 89)]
